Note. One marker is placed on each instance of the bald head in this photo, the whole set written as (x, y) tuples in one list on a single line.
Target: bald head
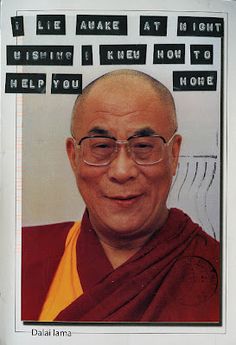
[(130, 81)]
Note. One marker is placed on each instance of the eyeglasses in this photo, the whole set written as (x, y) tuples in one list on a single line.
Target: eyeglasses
[(102, 150)]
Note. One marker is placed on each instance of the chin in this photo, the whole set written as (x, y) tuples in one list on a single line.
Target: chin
[(124, 230)]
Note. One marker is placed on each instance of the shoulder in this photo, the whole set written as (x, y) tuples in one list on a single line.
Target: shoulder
[(46, 230), (202, 244), (185, 221), (45, 238), (42, 248), (43, 243)]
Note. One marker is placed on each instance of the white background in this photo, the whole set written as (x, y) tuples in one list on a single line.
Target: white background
[(8, 217)]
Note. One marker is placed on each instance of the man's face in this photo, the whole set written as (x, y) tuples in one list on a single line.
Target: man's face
[(124, 198)]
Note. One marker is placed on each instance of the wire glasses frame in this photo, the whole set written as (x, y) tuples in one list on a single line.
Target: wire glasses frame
[(102, 150)]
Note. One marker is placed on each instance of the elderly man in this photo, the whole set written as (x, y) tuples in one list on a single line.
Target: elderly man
[(130, 258)]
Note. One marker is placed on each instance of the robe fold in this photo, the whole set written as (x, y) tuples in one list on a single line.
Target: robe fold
[(174, 277)]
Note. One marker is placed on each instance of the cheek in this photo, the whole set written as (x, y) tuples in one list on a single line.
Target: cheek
[(88, 180), (159, 181)]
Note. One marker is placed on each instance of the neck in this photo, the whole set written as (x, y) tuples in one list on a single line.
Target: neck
[(119, 252), (120, 247), (117, 256)]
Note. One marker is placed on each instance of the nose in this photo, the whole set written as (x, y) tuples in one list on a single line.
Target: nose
[(122, 168)]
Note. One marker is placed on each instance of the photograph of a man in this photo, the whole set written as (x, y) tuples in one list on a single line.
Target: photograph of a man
[(130, 258)]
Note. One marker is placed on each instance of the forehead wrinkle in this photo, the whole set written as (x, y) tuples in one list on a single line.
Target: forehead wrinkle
[(111, 113), (107, 113)]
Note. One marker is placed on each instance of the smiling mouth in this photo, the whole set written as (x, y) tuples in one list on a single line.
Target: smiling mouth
[(125, 200)]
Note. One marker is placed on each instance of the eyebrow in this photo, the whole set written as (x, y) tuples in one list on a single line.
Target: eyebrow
[(99, 131), (146, 131)]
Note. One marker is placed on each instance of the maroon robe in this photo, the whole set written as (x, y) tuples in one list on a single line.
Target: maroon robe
[(173, 278)]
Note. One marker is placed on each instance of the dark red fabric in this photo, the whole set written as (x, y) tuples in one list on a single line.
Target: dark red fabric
[(93, 264), (42, 248), (173, 278)]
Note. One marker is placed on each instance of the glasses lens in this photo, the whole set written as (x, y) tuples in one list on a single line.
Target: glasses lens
[(98, 151), (147, 150)]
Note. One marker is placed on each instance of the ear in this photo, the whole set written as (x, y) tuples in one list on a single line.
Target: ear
[(71, 153), (175, 150)]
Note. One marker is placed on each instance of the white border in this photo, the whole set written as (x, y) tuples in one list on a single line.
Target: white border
[(7, 274)]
